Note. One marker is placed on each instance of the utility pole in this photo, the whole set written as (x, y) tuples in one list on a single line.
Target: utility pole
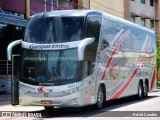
[(57, 4), (51, 5), (27, 8)]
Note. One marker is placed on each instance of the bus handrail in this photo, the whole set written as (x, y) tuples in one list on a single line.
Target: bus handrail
[(10, 47)]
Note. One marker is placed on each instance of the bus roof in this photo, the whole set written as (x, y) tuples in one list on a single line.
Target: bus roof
[(64, 13)]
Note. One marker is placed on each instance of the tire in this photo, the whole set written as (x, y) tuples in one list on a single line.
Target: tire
[(145, 91), (48, 108), (140, 91), (100, 99)]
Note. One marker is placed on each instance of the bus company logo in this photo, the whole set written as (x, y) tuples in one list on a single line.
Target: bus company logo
[(44, 89), (55, 46)]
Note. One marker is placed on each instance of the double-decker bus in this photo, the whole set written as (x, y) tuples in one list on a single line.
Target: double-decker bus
[(73, 58)]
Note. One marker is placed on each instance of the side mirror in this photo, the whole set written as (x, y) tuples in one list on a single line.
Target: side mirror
[(10, 47), (82, 46)]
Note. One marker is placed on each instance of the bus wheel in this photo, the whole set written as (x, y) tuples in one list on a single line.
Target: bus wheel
[(48, 108), (145, 94), (100, 98), (140, 90)]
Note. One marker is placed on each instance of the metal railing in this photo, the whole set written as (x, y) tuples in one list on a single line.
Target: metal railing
[(5, 67), (3, 84)]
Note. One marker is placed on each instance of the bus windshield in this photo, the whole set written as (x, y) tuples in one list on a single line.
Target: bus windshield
[(54, 29), (50, 67)]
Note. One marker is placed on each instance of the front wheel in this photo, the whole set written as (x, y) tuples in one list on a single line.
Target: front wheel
[(100, 98)]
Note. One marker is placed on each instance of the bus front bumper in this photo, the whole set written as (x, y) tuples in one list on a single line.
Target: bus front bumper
[(71, 100)]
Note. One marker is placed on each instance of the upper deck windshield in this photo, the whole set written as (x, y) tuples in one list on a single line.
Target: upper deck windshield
[(54, 29)]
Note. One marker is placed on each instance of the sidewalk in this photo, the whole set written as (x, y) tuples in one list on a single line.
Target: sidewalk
[(5, 105)]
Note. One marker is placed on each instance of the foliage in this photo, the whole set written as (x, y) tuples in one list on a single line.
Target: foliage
[(158, 51)]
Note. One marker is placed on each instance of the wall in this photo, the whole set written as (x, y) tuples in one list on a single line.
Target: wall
[(13, 5), (144, 10), (36, 6), (114, 7), (84, 4)]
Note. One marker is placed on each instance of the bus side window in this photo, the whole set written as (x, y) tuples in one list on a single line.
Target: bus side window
[(87, 68), (92, 29), (110, 32), (93, 26)]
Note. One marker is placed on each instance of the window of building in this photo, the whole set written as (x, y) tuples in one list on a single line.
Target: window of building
[(143, 22), (133, 19), (63, 3), (151, 23), (50, 1), (142, 1), (151, 3)]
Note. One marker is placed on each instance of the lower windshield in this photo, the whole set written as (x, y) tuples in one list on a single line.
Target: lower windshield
[(49, 67)]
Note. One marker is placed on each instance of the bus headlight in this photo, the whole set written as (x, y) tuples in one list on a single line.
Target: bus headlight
[(74, 90)]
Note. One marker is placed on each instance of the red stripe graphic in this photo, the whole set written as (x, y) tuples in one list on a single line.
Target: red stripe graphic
[(113, 53), (153, 79), (119, 93)]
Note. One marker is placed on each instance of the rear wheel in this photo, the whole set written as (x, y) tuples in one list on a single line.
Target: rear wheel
[(140, 90), (145, 94), (100, 98)]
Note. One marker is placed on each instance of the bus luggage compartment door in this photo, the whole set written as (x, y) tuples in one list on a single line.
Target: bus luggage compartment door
[(15, 79)]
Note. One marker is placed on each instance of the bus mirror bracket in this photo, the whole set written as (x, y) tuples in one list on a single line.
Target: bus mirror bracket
[(10, 47), (82, 46)]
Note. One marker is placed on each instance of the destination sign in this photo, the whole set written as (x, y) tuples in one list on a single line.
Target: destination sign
[(58, 46), (55, 46)]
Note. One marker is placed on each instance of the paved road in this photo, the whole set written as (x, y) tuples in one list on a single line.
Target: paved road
[(114, 108)]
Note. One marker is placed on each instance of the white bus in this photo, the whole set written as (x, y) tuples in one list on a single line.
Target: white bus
[(83, 57)]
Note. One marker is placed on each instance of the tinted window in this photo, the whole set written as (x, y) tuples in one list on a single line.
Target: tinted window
[(151, 3), (140, 39), (54, 29), (111, 31), (143, 1), (127, 44), (93, 27)]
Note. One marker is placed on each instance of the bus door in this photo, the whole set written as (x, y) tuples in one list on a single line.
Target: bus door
[(15, 79)]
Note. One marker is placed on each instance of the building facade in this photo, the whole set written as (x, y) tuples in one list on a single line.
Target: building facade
[(143, 12), (26, 8), (114, 7), (146, 13)]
